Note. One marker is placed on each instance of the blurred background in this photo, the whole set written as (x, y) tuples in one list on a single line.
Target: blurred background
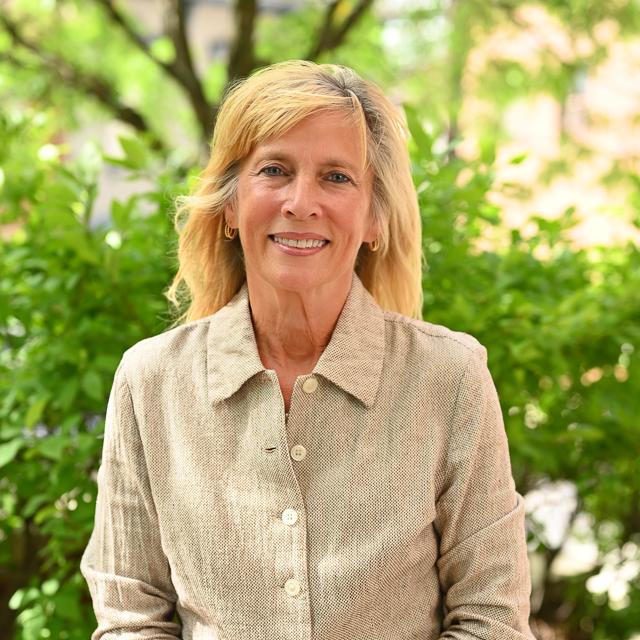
[(525, 143)]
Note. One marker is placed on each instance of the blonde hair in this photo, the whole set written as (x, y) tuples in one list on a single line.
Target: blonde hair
[(266, 104)]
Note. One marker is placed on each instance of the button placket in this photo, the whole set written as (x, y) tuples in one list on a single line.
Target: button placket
[(309, 386), (291, 517)]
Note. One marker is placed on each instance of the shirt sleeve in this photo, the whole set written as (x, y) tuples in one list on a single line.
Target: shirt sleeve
[(124, 565), (482, 565)]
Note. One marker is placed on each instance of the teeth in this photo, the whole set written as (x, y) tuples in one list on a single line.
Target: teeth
[(300, 244)]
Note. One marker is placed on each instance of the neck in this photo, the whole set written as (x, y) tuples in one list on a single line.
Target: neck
[(292, 328)]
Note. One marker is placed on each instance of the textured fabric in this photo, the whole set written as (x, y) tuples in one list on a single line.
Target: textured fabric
[(382, 508)]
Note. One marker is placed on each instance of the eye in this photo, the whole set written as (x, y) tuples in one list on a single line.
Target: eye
[(342, 175), (265, 170)]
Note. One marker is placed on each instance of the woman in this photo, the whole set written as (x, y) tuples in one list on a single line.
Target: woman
[(303, 457)]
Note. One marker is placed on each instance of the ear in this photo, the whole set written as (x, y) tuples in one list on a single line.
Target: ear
[(230, 216), (372, 231)]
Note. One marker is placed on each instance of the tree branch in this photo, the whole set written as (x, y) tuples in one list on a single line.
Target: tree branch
[(324, 33), (118, 18), (176, 29), (72, 76), (331, 37), (242, 51), (181, 69)]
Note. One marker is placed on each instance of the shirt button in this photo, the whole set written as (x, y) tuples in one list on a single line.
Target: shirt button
[(292, 587), (289, 516), (310, 385), (298, 452)]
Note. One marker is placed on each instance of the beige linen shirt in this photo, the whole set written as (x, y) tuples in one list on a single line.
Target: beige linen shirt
[(382, 508)]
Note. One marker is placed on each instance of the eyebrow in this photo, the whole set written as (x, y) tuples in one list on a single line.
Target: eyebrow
[(279, 155)]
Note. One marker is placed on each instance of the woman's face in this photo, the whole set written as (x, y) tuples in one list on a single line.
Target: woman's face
[(306, 184)]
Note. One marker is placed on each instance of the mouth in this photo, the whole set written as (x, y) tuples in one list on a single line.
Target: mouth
[(298, 247)]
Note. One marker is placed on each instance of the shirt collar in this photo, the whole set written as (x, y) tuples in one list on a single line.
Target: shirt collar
[(352, 360)]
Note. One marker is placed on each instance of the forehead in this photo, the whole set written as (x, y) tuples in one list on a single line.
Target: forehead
[(325, 136)]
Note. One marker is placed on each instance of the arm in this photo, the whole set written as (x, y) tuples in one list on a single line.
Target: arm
[(483, 566), (124, 565)]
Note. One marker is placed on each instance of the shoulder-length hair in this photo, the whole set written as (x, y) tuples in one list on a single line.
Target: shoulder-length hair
[(267, 104)]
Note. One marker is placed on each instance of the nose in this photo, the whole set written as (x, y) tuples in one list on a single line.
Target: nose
[(302, 197)]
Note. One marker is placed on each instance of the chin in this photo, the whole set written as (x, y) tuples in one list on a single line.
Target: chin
[(293, 279), (299, 282)]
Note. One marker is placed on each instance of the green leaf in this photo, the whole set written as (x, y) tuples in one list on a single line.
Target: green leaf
[(120, 214), (36, 410), (82, 246), (52, 447), (162, 48), (92, 384), (67, 393), (32, 505), (15, 602), (7, 432), (423, 140), (59, 193), (136, 153), (49, 587), (519, 159), (9, 450)]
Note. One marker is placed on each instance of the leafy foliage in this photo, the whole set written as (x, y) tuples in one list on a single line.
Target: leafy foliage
[(72, 298)]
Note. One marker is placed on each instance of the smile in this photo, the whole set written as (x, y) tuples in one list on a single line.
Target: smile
[(299, 247)]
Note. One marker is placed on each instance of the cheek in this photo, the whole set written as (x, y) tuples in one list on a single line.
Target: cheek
[(264, 200), (354, 217)]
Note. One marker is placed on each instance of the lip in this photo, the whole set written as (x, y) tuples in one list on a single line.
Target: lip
[(293, 235)]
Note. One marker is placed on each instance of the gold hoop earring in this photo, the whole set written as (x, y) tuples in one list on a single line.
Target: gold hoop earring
[(229, 232), (375, 245)]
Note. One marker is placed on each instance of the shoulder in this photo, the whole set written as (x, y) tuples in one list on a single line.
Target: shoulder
[(442, 367), (165, 352), (437, 344)]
